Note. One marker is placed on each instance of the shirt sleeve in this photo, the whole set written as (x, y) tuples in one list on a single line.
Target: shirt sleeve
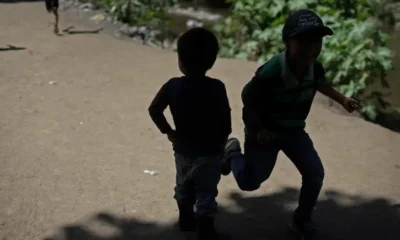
[(157, 107)]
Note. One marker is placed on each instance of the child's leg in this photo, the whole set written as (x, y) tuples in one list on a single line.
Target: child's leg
[(253, 167), (206, 176), (184, 193), (299, 148)]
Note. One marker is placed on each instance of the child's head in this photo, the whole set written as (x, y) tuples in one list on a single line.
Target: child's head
[(197, 51), (302, 34)]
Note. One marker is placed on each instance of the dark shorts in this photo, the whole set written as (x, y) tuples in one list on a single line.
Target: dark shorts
[(51, 5)]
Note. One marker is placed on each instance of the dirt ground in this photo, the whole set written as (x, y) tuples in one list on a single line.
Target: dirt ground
[(75, 138)]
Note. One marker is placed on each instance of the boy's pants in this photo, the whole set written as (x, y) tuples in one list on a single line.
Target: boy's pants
[(197, 182), (253, 167)]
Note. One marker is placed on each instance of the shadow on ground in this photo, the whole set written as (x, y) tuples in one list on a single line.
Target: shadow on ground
[(339, 215), (11, 48), (70, 31)]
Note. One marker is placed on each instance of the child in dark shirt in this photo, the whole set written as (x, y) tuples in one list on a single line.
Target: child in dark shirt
[(202, 118)]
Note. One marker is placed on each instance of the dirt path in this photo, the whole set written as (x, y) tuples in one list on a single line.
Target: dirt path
[(75, 138)]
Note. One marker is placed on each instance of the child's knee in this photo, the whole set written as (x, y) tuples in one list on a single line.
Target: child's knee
[(315, 178), (249, 181)]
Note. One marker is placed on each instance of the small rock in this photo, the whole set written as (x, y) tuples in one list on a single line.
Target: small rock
[(200, 14), (138, 39), (153, 173), (86, 6), (142, 30), (124, 29), (154, 33), (132, 31), (192, 23)]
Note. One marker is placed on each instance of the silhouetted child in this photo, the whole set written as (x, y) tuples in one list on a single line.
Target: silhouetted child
[(202, 117), (276, 104)]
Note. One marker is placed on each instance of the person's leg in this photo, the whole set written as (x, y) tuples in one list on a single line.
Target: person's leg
[(206, 176), (185, 193), (253, 167), (55, 12), (299, 148)]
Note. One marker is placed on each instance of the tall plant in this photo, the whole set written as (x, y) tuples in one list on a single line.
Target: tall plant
[(134, 12)]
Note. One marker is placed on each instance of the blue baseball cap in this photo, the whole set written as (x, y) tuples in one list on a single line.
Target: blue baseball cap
[(302, 21)]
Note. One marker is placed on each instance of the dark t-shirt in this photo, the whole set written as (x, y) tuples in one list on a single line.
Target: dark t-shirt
[(201, 114)]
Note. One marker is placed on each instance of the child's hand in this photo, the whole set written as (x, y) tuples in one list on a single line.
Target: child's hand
[(264, 136), (350, 104), (172, 136)]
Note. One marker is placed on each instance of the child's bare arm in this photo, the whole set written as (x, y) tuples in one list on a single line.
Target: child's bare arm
[(330, 92), (156, 110), (349, 104)]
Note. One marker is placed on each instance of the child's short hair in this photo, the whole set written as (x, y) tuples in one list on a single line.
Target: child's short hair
[(197, 50)]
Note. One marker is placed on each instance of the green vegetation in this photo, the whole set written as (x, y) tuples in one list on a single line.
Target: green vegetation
[(356, 57), (136, 12)]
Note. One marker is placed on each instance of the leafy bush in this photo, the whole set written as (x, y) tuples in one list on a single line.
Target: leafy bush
[(138, 12), (354, 58)]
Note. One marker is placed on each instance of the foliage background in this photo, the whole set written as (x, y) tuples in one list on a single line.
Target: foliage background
[(354, 58)]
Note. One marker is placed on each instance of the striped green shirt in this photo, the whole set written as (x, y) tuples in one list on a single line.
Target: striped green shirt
[(277, 98)]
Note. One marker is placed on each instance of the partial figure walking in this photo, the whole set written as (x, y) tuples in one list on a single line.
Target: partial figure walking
[(52, 7)]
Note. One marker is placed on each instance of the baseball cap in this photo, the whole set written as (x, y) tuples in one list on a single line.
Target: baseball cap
[(304, 20)]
